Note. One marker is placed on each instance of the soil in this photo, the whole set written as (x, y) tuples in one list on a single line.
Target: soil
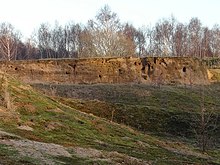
[(45, 153)]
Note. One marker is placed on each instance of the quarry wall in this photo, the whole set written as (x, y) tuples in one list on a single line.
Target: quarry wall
[(150, 70), (213, 65)]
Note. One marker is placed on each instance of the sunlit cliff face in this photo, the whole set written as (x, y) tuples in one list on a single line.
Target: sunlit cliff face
[(150, 70)]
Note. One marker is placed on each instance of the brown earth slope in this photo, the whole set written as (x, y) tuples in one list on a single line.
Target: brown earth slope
[(150, 70)]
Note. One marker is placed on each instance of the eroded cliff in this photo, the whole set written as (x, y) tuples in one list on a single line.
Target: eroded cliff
[(152, 70)]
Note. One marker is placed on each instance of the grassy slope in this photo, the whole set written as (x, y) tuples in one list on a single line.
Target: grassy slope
[(54, 122), (147, 108), (168, 109)]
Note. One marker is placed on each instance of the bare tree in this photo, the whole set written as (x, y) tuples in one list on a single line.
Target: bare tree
[(73, 40), (9, 39), (205, 44), (215, 41), (180, 40), (44, 41), (106, 35), (31, 50), (194, 37), (205, 123), (149, 40), (87, 48), (140, 41), (137, 37), (58, 40), (163, 37)]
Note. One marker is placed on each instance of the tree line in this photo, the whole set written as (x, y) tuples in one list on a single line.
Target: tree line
[(106, 36)]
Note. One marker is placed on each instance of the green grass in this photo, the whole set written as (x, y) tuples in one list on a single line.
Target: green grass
[(81, 161), (144, 108), (167, 109)]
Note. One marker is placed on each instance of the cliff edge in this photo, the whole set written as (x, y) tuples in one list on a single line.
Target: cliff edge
[(149, 70)]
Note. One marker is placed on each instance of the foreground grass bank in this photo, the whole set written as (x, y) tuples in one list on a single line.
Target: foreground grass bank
[(168, 112), (107, 129)]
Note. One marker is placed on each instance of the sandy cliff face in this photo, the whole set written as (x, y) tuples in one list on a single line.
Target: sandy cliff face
[(112, 70), (213, 69)]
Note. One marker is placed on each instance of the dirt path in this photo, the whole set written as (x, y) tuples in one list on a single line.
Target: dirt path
[(45, 153)]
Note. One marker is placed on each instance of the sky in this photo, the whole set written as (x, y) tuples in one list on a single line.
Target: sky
[(27, 15)]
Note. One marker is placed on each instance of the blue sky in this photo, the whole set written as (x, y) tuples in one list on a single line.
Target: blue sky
[(26, 15)]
